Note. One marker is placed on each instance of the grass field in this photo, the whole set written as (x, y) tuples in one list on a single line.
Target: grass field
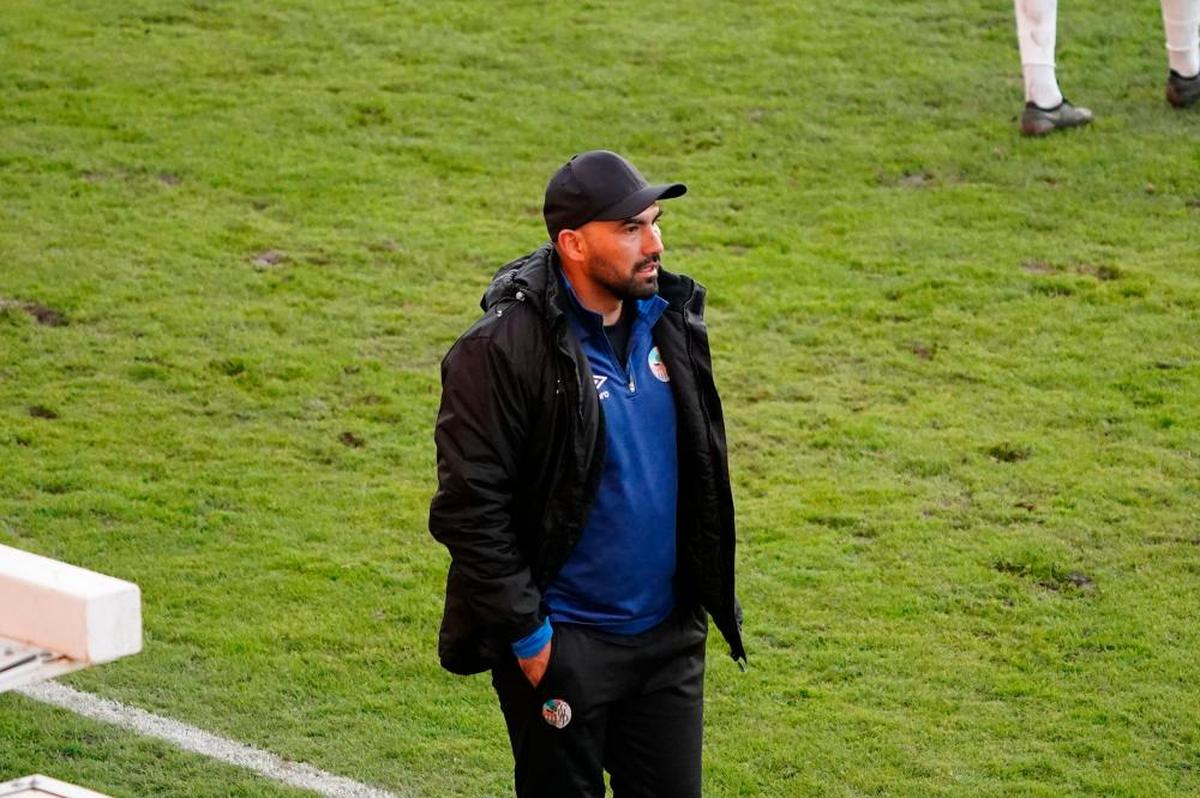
[(961, 373)]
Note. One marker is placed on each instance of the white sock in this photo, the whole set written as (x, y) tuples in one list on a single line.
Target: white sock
[(1181, 23), (1037, 26)]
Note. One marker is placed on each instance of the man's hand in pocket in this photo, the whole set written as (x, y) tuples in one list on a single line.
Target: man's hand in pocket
[(534, 667)]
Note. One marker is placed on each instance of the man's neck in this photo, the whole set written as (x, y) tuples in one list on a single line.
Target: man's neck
[(594, 297), (610, 317)]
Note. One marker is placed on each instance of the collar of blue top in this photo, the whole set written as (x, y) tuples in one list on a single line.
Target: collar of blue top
[(649, 309)]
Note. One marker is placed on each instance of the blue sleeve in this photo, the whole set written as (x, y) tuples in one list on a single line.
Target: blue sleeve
[(531, 644)]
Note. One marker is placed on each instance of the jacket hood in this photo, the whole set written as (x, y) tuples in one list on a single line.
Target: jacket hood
[(535, 274)]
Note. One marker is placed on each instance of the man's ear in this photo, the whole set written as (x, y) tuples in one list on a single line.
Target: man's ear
[(571, 245)]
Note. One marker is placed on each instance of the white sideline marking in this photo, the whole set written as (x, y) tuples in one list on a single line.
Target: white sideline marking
[(189, 738)]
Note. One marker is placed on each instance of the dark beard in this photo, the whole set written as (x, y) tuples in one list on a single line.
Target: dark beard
[(608, 275)]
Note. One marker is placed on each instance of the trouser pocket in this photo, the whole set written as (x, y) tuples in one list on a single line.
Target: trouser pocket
[(559, 662)]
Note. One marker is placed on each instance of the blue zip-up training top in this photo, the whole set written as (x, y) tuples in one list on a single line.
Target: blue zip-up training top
[(619, 577)]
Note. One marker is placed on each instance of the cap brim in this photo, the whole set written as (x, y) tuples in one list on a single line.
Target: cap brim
[(640, 200)]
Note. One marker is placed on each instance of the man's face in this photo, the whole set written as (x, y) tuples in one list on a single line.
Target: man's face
[(623, 256)]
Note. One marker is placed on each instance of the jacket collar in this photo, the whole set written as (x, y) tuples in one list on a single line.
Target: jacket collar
[(681, 292)]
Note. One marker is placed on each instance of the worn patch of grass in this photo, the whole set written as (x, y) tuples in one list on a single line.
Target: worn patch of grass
[(960, 372)]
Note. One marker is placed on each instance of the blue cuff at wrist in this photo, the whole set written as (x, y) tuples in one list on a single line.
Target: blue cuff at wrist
[(531, 644)]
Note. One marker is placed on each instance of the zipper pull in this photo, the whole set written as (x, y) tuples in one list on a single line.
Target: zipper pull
[(632, 385)]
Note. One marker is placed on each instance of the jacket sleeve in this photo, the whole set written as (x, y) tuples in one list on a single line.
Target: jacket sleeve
[(481, 431)]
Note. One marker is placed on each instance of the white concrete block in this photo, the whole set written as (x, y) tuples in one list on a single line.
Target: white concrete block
[(87, 616)]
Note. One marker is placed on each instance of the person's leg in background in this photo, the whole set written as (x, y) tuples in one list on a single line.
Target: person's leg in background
[(1045, 108), (1181, 24)]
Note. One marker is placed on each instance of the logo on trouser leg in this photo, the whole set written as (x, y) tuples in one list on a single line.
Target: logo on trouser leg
[(556, 712)]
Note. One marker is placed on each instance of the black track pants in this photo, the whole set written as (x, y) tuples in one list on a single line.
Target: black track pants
[(636, 707)]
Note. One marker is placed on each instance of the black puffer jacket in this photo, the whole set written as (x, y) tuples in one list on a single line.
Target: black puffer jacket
[(520, 444)]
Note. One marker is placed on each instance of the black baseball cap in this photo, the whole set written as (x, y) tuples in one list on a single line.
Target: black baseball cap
[(599, 185)]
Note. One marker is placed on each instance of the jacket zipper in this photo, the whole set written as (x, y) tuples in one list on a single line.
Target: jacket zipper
[(566, 353), (688, 333)]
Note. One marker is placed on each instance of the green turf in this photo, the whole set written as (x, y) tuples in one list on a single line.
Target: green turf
[(960, 371)]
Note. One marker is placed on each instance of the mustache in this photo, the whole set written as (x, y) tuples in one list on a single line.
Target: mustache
[(655, 259)]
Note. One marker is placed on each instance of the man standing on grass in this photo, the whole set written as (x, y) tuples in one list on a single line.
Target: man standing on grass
[(583, 493)]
